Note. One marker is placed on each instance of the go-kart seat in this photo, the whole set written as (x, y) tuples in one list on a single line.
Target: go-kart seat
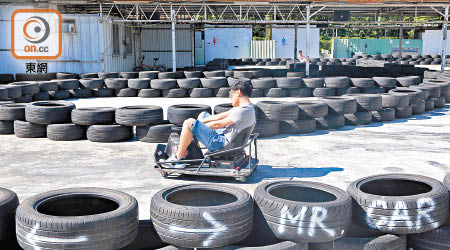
[(237, 144)]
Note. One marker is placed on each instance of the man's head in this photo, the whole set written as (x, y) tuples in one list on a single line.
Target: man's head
[(241, 91), (300, 52)]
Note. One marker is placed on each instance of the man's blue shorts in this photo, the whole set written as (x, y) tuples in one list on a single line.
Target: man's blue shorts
[(212, 139)]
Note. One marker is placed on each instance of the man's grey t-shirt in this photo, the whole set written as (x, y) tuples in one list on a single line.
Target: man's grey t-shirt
[(242, 117)]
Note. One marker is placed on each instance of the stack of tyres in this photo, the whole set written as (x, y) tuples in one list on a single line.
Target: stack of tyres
[(308, 111), (337, 108), (270, 113), (366, 104)]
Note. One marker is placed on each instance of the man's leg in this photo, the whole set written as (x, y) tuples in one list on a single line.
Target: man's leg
[(185, 138)]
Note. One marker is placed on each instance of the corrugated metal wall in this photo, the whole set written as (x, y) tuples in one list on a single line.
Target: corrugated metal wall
[(262, 49), (343, 48), (87, 50), (122, 61), (156, 42)]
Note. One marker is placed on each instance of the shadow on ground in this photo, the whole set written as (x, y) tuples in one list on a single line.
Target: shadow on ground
[(267, 172)]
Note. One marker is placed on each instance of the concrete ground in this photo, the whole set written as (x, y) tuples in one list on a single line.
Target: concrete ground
[(419, 145)]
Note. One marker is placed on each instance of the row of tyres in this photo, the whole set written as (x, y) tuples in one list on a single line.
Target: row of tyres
[(60, 121), (381, 212)]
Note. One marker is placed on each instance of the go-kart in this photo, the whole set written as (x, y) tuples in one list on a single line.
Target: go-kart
[(231, 161)]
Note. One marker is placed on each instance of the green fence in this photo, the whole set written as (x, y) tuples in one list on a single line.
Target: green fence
[(344, 48)]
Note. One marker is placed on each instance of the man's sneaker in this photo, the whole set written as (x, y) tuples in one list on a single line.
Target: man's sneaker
[(172, 165)]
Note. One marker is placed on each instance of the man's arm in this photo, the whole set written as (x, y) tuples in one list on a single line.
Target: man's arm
[(217, 117), (220, 123)]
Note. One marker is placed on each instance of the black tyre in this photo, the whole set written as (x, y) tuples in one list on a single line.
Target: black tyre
[(129, 75), (202, 215), (148, 93), (383, 115), (323, 92), (438, 239), (3, 94), (217, 73), (300, 92), (48, 86), (374, 90), (149, 74), (243, 74), (337, 82), (215, 82), (193, 74), (163, 83), (434, 91), (341, 105), (93, 116), (8, 205), (28, 88), (367, 102), (88, 75), (13, 91), (174, 93), (77, 218), (41, 96), (386, 82), (59, 95), (222, 92), (276, 92), (24, 99), (330, 121), (108, 75), (358, 118), (277, 111), (425, 92), (399, 203), (314, 82), (103, 92), (6, 127), (394, 100), (298, 126), (220, 108), (418, 109), (67, 84), (292, 209), (266, 128), (109, 133), (66, 132), (92, 83), (188, 83), (200, 92), (116, 83), (24, 129), (66, 75), (232, 81), (429, 104), (404, 112), (414, 95), (12, 112), (407, 81), (439, 102), (177, 114), (167, 75), (290, 82), (139, 115), (154, 133), (49, 112), (264, 83), (384, 242), (80, 93), (362, 82), (126, 92), (311, 109), (258, 93), (295, 74)]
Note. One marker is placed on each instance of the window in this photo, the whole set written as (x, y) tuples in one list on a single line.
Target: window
[(115, 39), (127, 41)]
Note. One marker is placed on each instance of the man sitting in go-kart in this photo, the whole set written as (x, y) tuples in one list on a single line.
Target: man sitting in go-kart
[(216, 131)]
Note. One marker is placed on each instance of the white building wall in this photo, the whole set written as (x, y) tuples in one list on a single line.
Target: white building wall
[(285, 38), (229, 43), (87, 50), (432, 42)]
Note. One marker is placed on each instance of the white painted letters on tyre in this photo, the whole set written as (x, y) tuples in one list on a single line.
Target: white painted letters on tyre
[(318, 215), (401, 213)]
